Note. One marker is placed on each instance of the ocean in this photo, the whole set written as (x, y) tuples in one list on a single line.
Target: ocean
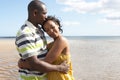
[(76, 37), (92, 37)]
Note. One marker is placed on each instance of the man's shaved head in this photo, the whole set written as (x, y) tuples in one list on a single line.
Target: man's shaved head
[(35, 4)]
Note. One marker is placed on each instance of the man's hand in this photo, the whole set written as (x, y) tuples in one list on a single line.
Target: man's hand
[(64, 67), (23, 64)]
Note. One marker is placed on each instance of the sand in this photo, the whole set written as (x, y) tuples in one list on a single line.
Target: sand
[(92, 59), (8, 60)]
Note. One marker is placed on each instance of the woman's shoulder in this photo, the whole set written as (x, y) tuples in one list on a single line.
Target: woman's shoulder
[(63, 40)]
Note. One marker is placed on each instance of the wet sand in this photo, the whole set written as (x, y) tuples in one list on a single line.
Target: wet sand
[(96, 59), (92, 59), (8, 60)]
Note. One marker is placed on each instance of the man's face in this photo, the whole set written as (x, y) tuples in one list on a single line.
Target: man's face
[(42, 15)]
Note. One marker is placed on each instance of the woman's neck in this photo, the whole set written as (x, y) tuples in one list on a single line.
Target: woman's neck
[(59, 36)]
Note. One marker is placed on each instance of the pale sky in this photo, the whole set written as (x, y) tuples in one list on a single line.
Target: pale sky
[(78, 17)]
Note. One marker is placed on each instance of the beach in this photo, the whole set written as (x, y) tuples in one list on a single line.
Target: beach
[(96, 59), (92, 59), (8, 60)]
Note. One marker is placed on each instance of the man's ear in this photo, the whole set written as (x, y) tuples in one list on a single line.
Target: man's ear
[(35, 12)]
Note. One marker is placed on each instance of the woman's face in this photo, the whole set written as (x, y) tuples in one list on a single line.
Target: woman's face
[(52, 29)]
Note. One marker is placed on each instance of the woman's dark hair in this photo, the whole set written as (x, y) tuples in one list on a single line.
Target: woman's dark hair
[(54, 19)]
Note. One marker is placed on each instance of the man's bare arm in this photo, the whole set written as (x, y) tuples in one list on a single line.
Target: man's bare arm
[(33, 63)]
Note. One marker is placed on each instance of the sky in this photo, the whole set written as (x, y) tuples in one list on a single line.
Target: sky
[(78, 17)]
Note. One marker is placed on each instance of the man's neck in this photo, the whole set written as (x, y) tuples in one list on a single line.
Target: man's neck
[(32, 21)]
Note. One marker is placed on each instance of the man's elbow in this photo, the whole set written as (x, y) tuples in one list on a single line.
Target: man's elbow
[(39, 65)]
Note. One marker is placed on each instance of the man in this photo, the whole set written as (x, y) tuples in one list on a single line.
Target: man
[(31, 45)]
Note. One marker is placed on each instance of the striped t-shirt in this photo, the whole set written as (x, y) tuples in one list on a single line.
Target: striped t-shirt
[(30, 41)]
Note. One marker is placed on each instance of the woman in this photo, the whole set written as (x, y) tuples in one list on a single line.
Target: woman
[(58, 50), (60, 45)]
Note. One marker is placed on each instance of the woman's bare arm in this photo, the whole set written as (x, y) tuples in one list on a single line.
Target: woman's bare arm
[(56, 49)]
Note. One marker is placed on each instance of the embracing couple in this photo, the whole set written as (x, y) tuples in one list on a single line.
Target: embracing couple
[(41, 60)]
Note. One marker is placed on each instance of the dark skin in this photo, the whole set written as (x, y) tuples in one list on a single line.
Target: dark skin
[(40, 65), (37, 16)]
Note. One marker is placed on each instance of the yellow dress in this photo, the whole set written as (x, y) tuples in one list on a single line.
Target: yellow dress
[(58, 75)]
